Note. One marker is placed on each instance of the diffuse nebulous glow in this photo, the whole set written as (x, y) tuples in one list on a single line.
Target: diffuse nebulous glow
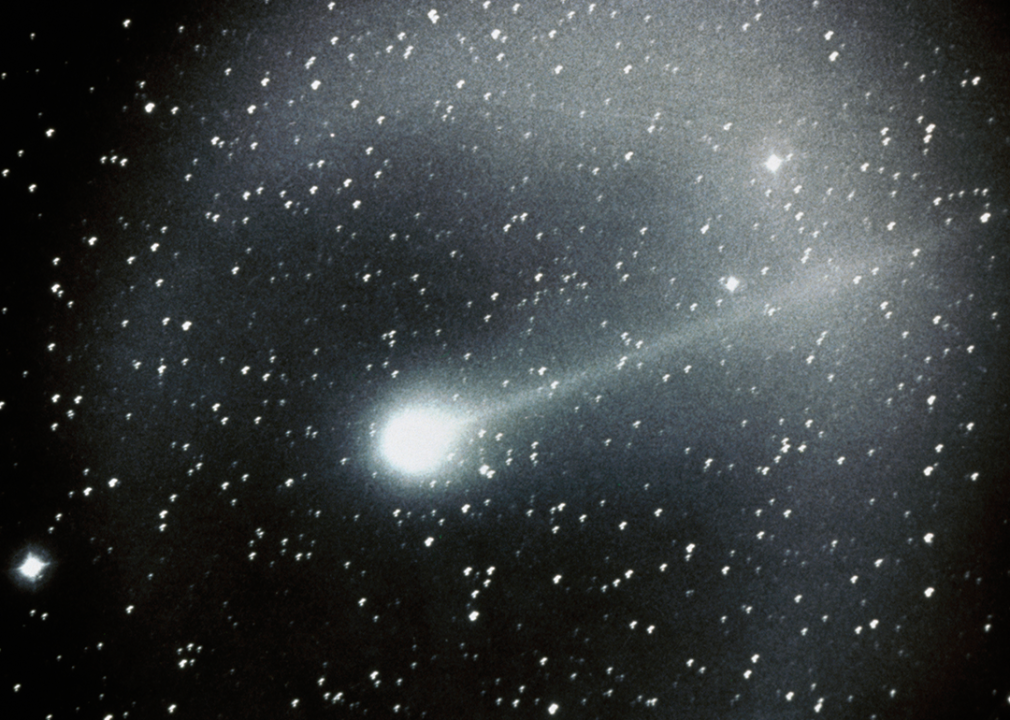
[(506, 359), (418, 439)]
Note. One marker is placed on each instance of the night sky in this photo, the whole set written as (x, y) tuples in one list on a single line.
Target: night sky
[(505, 360)]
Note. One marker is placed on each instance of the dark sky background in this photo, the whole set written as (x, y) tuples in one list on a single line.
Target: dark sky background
[(708, 437)]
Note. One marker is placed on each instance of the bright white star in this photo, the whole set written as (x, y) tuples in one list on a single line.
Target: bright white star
[(773, 163), (32, 567)]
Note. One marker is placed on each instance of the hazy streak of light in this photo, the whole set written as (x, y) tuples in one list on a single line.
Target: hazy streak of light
[(792, 306)]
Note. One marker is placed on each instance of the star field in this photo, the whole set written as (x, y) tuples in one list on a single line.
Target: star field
[(556, 359)]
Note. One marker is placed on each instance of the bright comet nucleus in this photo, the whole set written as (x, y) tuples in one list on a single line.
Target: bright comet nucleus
[(773, 163), (417, 441)]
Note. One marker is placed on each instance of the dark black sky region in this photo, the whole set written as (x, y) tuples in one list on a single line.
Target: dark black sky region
[(522, 359)]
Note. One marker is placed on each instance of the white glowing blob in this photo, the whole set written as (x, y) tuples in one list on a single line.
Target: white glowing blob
[(773, 163), (32, 567), (731, 283), (417, 441)]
